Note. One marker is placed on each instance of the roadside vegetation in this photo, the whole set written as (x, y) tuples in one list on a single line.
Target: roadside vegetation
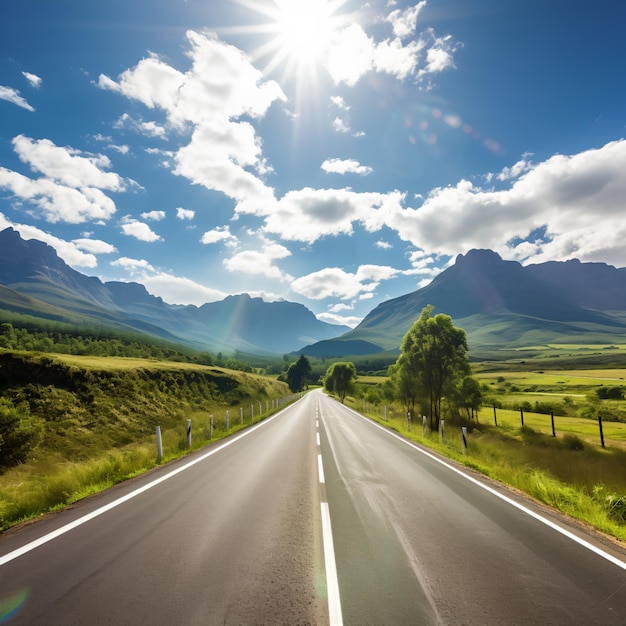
[(73, 425), (431, 394), (78, 411)]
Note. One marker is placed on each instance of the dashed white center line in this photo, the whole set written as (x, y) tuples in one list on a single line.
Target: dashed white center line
[(320, 469), (332, 581)]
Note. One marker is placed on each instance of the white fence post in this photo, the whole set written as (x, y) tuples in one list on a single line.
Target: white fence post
[(464, 434), (210, 426), (189, 434), (159, 443)]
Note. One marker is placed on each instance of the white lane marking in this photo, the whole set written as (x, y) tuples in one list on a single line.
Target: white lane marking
[(129, 496), (332, 582), (318, 439), (320, 469), (517, 505)]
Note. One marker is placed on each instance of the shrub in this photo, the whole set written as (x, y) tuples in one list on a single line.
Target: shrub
[(19, 433)]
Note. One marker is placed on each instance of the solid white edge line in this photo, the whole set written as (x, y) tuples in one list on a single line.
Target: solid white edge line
[(332, 582), (521, 507), (129, 496)]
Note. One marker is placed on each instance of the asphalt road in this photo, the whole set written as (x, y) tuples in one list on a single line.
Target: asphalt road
[(235, 534)]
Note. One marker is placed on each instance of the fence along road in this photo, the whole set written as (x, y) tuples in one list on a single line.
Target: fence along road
[(233, 535)]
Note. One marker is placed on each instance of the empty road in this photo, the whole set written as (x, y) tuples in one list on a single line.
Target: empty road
[(238, 533)]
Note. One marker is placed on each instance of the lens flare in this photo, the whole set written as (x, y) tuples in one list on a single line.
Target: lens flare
[(9, 607)]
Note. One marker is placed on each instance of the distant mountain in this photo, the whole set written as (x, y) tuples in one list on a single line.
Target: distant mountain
[(34, 281), (501, 304)]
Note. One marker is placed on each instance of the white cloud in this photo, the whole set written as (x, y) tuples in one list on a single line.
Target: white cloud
[(122, 149), (185, 214), (326, 212), (439, 56), (55, 202), (95, 246), (149, 129), (345, 166), (340, 103), (260, 262), (70, 188), (342, 320), (180, 290), (138, 230), (405, 22), (221, 233), (218, 90), (67, 166), (173, 289), (354, 53), (13, 95), (334, 282), (577, 201), (523, 165), (155, 216), (383, 245), (33, 79), (134, 267), (341, 126), (69, 251)]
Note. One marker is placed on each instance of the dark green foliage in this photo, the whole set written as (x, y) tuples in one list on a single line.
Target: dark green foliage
[(95, 342), (610, 393), (340, 379), (19, 433), (299, 374), (432, 362)]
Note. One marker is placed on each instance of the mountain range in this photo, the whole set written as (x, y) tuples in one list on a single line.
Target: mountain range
[(35, 281), (500, 304)]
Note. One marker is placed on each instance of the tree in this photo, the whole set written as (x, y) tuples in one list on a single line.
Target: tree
[(340, 378), (299, 374), (469, 396), (433, 359)]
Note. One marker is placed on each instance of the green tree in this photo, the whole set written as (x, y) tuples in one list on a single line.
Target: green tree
[(340, 378), (469, 395), (433, 359), (299, 374)]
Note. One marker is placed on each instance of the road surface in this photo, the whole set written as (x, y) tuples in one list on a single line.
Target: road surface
[(239, 533)]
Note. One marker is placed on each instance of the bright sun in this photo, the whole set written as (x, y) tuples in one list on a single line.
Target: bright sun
[(304, 27), (299, 32)]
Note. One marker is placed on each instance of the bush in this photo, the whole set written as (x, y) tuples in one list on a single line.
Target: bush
[(573, 442), (19, 433)]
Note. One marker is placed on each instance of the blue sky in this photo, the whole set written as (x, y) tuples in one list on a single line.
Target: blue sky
[(333, 153)]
